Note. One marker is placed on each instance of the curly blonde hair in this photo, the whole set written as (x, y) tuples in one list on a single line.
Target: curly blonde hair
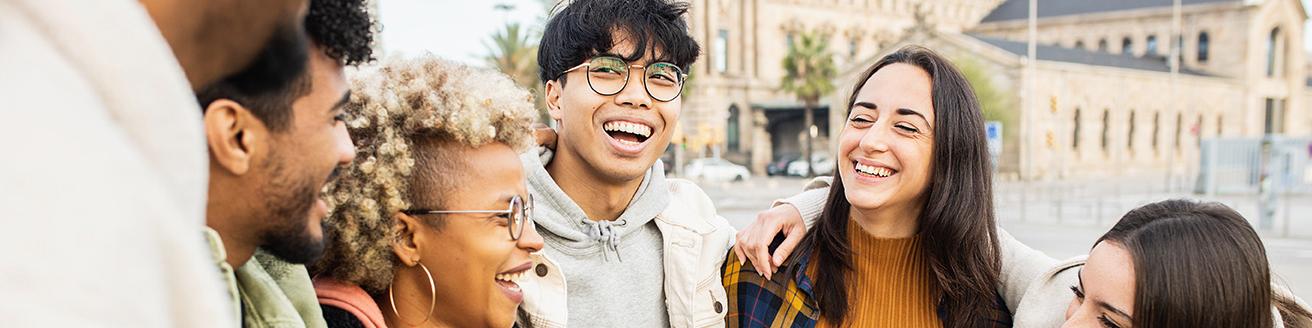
[(395, 109)]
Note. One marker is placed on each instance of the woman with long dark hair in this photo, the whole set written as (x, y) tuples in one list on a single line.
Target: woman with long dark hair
[(1180, 263), (906, 237)]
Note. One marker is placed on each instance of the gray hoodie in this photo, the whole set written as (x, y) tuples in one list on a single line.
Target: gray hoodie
[(613, 269)]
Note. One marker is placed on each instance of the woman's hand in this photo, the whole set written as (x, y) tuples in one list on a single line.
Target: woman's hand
[(754, 242)]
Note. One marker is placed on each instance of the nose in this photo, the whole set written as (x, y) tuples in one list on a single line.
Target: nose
[(342, 144), (634, 94), (875, 139), (531, 240)]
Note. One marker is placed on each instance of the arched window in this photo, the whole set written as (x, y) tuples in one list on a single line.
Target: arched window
[(731, 129), (1075, 133), (1151, 44), (1079, 44), (1204, 41), (1157, 127), (1274, 48), (1127, 46), (1106, 125), (1102, 45), (1129, 135)]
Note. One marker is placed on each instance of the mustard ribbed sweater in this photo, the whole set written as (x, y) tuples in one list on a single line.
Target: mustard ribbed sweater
[(890, 283)]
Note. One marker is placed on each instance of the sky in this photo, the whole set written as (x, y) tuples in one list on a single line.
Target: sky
[(459, 29), (453, 29)]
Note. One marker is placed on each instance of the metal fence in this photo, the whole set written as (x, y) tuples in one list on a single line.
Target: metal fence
[(1235, 166)]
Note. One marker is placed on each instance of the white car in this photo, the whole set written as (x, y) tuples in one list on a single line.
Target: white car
[(824, 165), (715, 169)]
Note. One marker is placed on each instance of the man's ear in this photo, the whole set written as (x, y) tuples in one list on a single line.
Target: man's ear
[(406, 239), (552, 92), (233, 134)]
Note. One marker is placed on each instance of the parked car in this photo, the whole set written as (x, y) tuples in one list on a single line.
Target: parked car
[(780, 164), (715, 169), (824, 165)]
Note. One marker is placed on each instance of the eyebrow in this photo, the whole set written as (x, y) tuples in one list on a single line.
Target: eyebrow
[(908, 111), (899, 111), (346, 97), (1112, 308)]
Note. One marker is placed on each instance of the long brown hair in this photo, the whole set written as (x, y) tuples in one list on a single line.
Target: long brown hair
[(956, 221), (1197, 264)]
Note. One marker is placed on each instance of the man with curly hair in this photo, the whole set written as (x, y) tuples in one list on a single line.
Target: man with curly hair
[(625, 246), (272, 148), (106, 154)]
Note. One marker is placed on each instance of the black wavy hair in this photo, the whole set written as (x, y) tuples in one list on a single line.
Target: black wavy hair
[(343, 29), (586, 28)]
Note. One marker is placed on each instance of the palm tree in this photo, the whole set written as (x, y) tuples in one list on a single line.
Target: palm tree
[(514, 51), (808, 74)]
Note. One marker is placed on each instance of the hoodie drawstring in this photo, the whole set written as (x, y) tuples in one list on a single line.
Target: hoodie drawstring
[(603, 231)]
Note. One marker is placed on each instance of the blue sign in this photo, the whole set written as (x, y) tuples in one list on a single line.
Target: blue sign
[(993, 133)]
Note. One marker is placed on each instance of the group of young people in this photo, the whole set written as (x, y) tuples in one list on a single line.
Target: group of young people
[(415, 193)]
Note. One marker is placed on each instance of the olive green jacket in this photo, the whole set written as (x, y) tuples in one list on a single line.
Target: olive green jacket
[(268, 292)]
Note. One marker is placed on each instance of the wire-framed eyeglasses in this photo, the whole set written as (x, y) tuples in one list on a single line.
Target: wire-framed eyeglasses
[(608, 75), (518, 215)]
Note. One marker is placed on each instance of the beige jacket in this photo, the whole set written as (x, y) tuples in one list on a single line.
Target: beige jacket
[(696, 240), (102, 182)]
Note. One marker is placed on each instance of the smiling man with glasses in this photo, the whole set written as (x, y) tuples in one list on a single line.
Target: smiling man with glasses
[(624, 246)]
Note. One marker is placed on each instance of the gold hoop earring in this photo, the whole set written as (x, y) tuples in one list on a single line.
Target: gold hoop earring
[(432, 301)]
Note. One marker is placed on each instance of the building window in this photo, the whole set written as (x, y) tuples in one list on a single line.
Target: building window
[(1220, 124), (1151, 44), (1274, 49), (1274, 122), (1079, 44), (788, 40), (1106, 125), (852, 49), (1127, 46), (1129, 136), (1157, 128), (1102, 45), (1075, 133), (732, 130), (722, 51), (1204, 41)]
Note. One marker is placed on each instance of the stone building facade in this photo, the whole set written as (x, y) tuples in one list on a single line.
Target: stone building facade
[(1104, 101), (734, 108)]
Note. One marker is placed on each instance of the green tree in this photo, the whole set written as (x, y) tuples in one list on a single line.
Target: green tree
[(514, 51), (809, 73), (996, 104)]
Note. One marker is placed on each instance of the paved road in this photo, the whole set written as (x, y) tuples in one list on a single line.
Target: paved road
[(1063, 220)]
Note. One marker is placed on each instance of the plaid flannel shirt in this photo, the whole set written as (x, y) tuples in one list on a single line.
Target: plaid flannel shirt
[(788, 301)]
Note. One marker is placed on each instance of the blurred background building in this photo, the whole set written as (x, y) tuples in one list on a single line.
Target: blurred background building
[(1105, 100)]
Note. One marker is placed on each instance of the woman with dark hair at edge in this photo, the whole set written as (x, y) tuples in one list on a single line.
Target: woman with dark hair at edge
[(913, 172), (1036, 303), (1178, 263)]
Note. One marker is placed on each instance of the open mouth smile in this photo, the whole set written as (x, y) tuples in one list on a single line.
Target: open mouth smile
[(508, 281), (628, 137), (875, 171)]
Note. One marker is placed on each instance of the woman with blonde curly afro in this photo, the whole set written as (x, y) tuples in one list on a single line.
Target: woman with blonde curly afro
[(429, 223)]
